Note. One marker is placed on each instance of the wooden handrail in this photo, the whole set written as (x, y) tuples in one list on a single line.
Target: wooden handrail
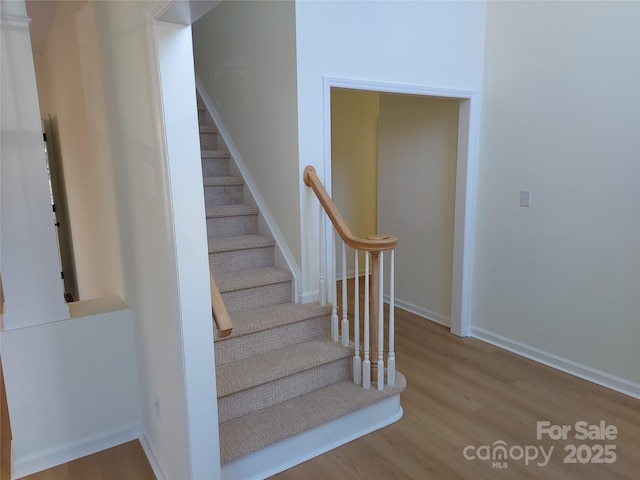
[(373, 243), (220, 314)]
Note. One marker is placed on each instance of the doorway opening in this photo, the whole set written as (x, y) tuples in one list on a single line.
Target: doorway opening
[(401, 160)]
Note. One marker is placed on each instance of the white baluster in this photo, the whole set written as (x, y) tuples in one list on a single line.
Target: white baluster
[(391, 359), (357, 365), (335, 335), (323, 259), (366, 365), (381, 325), (345, 318)]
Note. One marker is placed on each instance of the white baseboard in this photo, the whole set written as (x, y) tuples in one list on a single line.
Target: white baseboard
[(157, 465), (563, 364), (53, 457), (300, 448), (309, 297), (421, 312)]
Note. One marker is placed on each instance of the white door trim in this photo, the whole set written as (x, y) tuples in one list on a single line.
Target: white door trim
[(466, 176)]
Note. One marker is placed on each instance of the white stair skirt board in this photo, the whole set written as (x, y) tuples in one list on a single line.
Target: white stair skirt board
[(576, 369), (304, 446), (72, 451)]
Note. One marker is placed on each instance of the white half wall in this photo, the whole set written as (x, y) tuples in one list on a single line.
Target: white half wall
[(72, 387), (561, 116), (426, 44)]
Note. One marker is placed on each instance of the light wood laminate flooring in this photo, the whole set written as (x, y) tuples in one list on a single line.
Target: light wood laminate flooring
[(461, 393)]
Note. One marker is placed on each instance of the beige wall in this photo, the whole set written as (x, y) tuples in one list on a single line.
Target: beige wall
[(416, 191), (67, 92), (561, 116), (354, 162), (245, 57)]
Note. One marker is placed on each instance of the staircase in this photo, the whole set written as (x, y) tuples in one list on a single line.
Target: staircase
[(278, 373)]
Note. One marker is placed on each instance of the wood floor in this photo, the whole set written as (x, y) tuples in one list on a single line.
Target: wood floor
[(461, 392), (124, 462)]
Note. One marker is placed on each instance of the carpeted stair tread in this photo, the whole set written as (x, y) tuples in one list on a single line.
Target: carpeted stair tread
[(215, 154), (229, 282), (244, 374), (224, 180), (230, 210), (207, 129), (266, 318), (253, 432), (240, 242)]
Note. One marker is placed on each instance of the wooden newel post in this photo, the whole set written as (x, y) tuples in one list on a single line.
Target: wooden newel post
[(374, 288)]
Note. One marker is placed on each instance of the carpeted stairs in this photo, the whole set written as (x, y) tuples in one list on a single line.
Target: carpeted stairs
[(278, 373)]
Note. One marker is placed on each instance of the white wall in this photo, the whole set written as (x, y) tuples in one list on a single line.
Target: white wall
[(429, 44), (354, 162), (561, 116), (72, 388), (188, 214), (169, 313), (134, 131), (245, 58), (416, 193), (67, 94), (162, 231), (28, 252)]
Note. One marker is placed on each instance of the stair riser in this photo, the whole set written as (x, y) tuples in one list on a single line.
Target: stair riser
[(256, 297), (208, 141), (204, 119), (232, 226), (246, 346), (263, 396), (215, 167), (239, 260), (223, 195)]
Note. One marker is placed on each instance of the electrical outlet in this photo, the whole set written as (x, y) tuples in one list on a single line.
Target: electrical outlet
[(525, 198)]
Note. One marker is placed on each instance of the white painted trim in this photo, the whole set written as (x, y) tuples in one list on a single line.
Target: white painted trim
[(15, 22), (464, 216), (35, 316), (53, 457), (559, 363), (255, 193), (421, 312), (183, 177), (314, 442), (466, 177), (310, 296), (157, 466)]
